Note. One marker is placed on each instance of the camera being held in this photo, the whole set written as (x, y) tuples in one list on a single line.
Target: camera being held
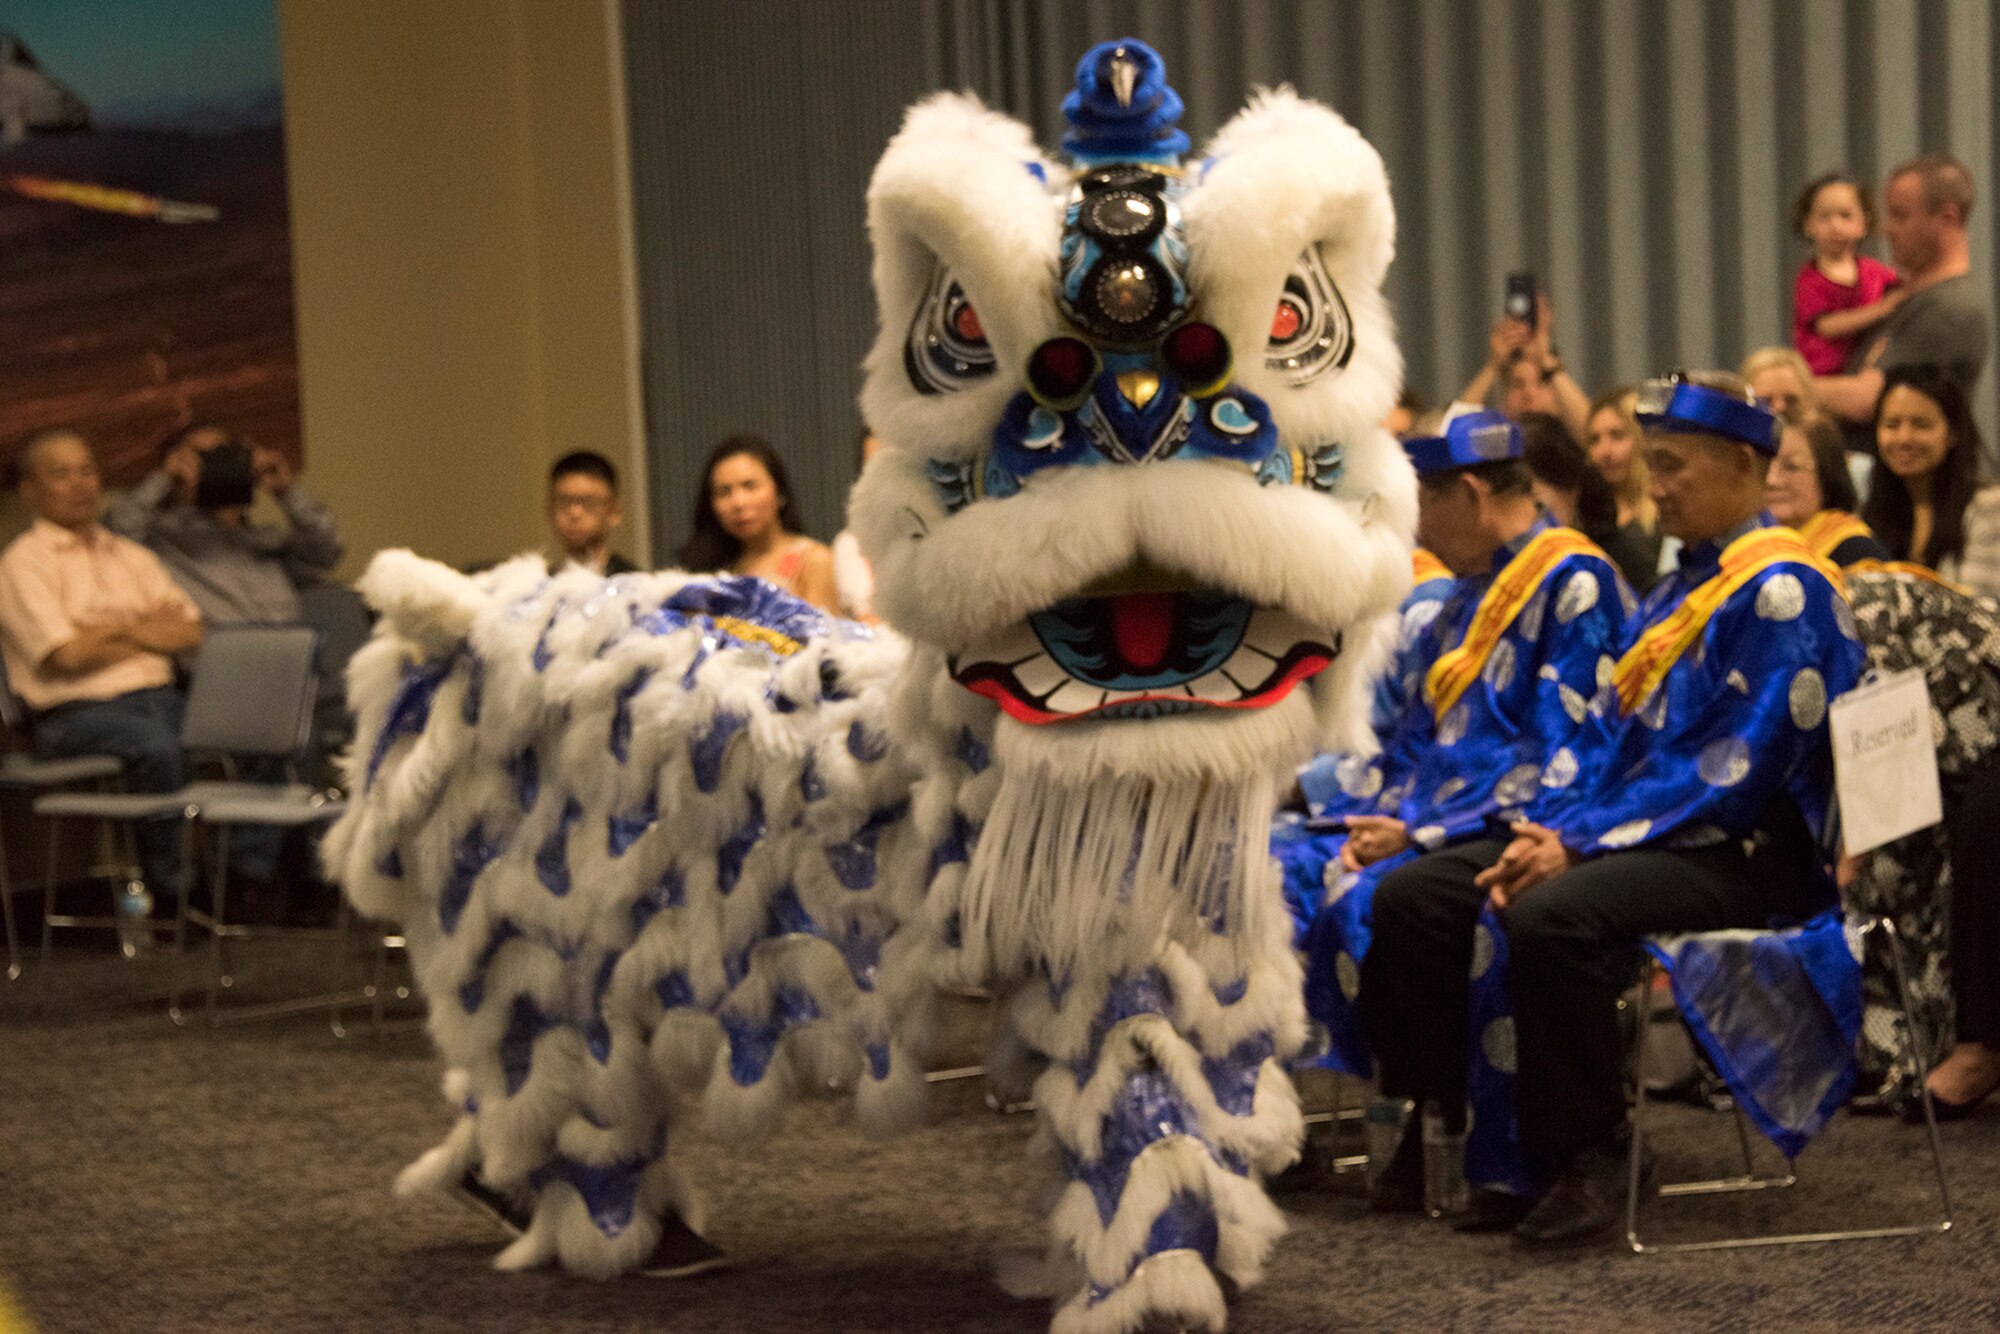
[(193, 512)]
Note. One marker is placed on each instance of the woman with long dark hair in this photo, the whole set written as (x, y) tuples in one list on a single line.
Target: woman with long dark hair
[(1924, 500), (742, 524)]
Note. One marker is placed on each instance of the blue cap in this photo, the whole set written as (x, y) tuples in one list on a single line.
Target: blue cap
[(1122, 109), (1678, 404), (1469, 439)]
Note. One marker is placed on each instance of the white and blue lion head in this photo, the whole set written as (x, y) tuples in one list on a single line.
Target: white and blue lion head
[(1131, 401)]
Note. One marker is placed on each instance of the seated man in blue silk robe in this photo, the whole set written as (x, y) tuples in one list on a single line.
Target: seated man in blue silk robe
[(1500, 674), (1697, 797)]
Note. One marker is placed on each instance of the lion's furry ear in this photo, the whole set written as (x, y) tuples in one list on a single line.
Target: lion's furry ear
[(961, 194)]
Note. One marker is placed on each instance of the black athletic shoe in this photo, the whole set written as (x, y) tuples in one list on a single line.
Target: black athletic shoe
[(1492, 1211), (682, 1252), (499, 1206), (1585, 1203)]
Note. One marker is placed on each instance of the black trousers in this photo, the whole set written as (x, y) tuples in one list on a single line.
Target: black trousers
[(1574, 948), (1973, 830)]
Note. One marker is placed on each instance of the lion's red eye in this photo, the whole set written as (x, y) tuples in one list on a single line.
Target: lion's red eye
[(1285, 322), (965, 323)]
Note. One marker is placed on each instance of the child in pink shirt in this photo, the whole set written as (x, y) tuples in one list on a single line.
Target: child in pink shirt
[(1840, 292)]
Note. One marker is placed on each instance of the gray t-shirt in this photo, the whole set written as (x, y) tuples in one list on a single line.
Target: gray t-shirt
[(1945, 326)]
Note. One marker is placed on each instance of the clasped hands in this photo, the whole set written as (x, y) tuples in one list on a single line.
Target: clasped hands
[(1536, 854)]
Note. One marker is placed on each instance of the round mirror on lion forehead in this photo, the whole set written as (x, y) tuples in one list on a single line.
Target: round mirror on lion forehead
[(1124, 256), (1678, 405)]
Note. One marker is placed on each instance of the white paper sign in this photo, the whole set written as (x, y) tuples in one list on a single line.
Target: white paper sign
[(1885, 760)]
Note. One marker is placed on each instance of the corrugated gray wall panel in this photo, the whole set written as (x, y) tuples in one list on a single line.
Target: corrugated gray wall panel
[(1641, 156)]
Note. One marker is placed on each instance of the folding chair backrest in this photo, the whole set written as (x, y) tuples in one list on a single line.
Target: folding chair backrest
[(252, 691), (344, 624)]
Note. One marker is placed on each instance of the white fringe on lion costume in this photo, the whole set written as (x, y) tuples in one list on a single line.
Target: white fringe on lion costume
[(667, 846)]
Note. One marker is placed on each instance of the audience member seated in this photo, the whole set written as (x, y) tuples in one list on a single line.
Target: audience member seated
[(1925, 502), (1613, 442), (193, 513), (1839, 293), (583, 514), (1944, 321), (1689, 800), (1503, 667), (1523, 362), (742, 525), (852, 577), (1809, 490), (1780, 376), (1937, 884), (1579, 497), (90, 623)]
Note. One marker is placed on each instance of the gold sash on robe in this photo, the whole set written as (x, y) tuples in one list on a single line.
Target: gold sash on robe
[(1454, 672)]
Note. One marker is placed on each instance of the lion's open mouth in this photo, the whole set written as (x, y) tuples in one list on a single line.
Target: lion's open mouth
[(1144, 654)]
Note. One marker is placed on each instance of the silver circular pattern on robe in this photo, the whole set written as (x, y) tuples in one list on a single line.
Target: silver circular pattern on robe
[(1562, 768), (1518, 785), (1531, 615), (1807, 698), (1349, 976), (1724, 762), (1843, 616), (1497, 1042), (1573, 702), (1419, 617), (1781, 598), (1482, 950), (1654, 713), (1625, 835), (1357, 777), (1448, 789), (1430, 836), (1500, 666), (1738, 682), (1451, 727), (1606, 671), (1337, 879), (1579, 595)]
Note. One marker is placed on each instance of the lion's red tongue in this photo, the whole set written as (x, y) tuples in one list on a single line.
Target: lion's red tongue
[(1142, 626)]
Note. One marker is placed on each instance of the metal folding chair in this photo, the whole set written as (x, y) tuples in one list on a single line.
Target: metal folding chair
[(22, 772), (250, 696), (1750, 1179)]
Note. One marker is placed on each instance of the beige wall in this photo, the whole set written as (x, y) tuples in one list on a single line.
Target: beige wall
[(460, 232)]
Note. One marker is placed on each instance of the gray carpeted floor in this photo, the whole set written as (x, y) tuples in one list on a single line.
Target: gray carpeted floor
[(157, 1179)]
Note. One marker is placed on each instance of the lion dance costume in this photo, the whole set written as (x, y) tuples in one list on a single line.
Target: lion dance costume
[(669, 847)]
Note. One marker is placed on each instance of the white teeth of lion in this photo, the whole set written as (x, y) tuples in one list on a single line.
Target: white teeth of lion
[(1039, 675), (1249, 668), (1127, 696), (1073, 697), (1273, 633), (1012, 644), (1215, 688)]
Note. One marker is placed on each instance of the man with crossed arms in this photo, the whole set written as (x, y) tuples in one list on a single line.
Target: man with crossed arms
[(1697, 797)]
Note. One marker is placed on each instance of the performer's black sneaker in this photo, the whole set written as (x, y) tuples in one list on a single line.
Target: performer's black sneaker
[(1492, 1211), (682, 1252), (1584, 1205), (512, 1216)]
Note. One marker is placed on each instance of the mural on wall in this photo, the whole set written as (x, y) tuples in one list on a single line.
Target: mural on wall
[(145, 249)]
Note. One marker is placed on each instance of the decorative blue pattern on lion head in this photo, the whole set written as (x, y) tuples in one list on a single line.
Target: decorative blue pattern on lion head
[(1132, 403)]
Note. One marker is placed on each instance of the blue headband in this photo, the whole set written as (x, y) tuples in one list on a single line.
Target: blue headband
[(1469, 439), (1682, 405)]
